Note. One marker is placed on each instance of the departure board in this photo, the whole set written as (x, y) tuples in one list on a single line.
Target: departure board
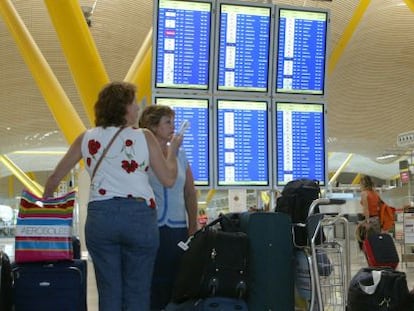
[(183, 40), (242, 152), (196, 138), (301, 51), (243, 47), (300, 142)]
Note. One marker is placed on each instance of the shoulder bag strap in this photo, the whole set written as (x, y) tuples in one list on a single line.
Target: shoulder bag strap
[(105, 152)]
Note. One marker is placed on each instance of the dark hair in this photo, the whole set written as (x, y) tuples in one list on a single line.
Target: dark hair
[(367, 182), (110, 108), (151, 116)]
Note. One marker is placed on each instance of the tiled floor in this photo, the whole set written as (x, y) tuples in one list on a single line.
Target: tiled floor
[(357, 261)]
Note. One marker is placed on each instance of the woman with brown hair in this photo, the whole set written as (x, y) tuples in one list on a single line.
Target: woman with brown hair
[(121, 226)]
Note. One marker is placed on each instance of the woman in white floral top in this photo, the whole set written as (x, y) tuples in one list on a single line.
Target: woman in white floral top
[(121, 227)]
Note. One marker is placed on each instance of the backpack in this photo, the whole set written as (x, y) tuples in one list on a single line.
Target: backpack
[(379, 289), (296, 198), (387, 216)]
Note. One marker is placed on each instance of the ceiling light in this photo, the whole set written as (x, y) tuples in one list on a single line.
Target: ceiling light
[(386, 157)]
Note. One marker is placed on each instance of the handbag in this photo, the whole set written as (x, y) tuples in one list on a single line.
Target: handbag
[(44, 228)]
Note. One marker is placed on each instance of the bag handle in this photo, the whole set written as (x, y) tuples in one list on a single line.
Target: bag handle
[(105, 151)]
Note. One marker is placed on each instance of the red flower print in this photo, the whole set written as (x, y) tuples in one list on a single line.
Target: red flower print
[(93, 146), (88, 161), (102, 191), (152, 203), (128, 143), (129, 167)]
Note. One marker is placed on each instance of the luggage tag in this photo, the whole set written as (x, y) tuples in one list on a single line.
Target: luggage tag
[(184, 245)]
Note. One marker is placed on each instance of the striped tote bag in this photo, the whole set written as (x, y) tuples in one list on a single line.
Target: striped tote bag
[(44, 228)]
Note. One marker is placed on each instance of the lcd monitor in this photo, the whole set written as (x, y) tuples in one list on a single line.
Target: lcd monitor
[(242, 143), (300, 142), (182, 44), (196, 141), (244, 32), (301, 51)]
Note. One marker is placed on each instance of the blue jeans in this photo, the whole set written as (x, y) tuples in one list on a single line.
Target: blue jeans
[(122, 238), (167, 265)]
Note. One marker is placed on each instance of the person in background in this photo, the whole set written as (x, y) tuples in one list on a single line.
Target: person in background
[(370, 200), (121, 226), (177, 206)]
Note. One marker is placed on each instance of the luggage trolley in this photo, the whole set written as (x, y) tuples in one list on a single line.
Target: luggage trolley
[(330, 259)]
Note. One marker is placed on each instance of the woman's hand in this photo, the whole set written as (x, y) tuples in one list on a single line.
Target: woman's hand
[(176, 142)]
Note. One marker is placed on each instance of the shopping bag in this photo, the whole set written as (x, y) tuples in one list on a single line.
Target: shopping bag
[(44, 228)]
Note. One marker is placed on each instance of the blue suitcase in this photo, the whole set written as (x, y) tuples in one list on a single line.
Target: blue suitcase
[(271, 261), (50, 286)]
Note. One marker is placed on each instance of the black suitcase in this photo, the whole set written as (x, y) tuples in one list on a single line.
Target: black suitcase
[(271, 261), (216, 264), (209, 304), (380, 251), (50, 286), (6, 297)]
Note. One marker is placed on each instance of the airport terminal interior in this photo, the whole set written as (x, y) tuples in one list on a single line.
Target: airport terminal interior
[(342, 111)]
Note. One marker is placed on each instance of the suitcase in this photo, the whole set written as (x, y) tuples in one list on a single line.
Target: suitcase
[(380, 251), (271, 260), (6, 298), (50, 286), (216, 264), (210, 304)]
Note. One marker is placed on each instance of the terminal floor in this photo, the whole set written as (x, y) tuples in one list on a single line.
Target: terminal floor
[(357, 261)]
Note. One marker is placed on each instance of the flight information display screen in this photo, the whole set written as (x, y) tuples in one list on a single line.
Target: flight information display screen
[(243, 47), (242, 157), (300, 142), (196, 138), (183, 31), (301, 51)]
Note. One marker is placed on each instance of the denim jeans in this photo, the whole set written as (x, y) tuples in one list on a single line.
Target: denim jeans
[(122, 238)]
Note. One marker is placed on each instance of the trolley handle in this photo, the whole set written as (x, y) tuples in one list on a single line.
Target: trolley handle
[(324, 201)]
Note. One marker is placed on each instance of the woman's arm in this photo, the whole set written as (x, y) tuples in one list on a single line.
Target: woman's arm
[(165, 168), (69, 160), (191, 204)]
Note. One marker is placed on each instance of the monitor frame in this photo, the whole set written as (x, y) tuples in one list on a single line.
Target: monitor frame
[(275, 103), (299, 94), (156, 88), (210, 126), (226, 186), (242, 91)]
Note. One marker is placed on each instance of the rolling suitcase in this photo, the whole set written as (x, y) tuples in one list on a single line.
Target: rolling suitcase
[(209, 304), (380, 251), (271, 261), (215, 264), (50, 286)]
